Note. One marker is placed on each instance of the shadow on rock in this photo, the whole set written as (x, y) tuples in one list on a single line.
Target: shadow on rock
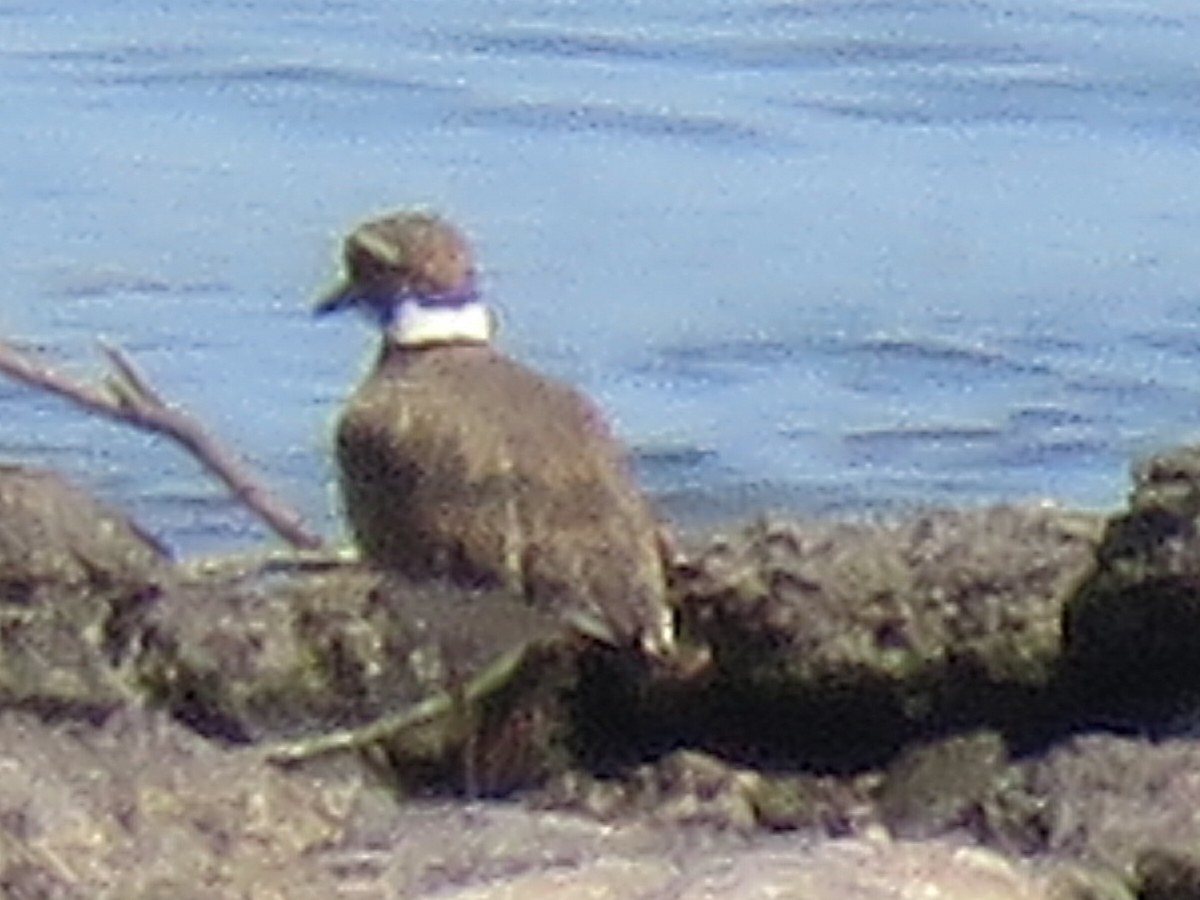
[(836, 644), (1133, 630)]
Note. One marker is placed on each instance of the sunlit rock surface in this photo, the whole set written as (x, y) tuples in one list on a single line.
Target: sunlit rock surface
[(142, 808)]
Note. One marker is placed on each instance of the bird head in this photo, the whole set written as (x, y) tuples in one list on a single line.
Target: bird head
[(405, 257)]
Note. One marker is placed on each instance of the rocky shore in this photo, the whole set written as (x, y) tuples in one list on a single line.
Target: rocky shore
[(993, 703)]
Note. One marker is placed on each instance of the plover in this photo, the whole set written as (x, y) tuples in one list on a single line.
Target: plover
[(459, 463)]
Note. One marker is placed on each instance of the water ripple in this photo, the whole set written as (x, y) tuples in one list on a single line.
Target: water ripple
[(829, 254), (579, 118)]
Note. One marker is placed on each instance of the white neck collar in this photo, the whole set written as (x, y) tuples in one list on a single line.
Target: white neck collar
[(417, 326)]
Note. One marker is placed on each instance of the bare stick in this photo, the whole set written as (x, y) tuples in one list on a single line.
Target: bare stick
[(128, 397)]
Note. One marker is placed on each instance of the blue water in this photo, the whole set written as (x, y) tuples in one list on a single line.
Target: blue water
[(825, 257)]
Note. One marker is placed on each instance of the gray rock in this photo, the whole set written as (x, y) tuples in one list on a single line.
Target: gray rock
[(142, 809), (839, 642), (450, 687), (1133, 629), (76, 579)]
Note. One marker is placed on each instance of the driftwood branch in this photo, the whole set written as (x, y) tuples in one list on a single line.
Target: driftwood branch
[(453, 702), (126, 396)]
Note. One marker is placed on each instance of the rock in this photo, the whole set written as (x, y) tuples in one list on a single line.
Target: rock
[(936, 788), (76, 577), (1070, 882), (1133, 629), (688, 788), (836, 643), (866, 683), (1106, 800), (1168, 874), (53, 534), (332, 656), (851, 869), (140, 808), (1115, 814)]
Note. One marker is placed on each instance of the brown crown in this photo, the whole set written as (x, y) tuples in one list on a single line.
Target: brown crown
[(416, 251)]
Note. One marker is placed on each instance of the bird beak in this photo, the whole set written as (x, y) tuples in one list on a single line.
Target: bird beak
[(341, 297)]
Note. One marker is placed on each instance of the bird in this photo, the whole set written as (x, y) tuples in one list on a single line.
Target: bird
[(457, 462)]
